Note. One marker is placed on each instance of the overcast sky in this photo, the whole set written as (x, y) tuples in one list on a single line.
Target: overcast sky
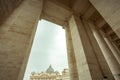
[(49, 47)]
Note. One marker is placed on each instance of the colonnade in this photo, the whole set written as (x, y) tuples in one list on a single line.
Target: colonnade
[(91, 56), (94, 57)]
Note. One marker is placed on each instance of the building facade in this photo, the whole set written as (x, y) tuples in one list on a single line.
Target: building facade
[(65, 74), (50, 74)]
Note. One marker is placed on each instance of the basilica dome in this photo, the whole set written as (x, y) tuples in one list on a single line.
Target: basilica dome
[(50, 70)]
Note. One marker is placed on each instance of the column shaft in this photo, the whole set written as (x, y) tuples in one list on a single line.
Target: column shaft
[(16, 39), (71, 56), (84, 54), (112, 48), (102, 62), (115, 46), (112, 62)]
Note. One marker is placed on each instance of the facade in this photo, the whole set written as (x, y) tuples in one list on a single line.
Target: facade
[(65, 74), (92, 34), (50, 74)]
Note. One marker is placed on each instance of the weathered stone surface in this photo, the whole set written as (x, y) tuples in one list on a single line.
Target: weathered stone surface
[(19, 25), (7, 7), (84, 54), (115, 52), (98, 53), (71, 56), (111, 60), (16, 39), (110, 11)]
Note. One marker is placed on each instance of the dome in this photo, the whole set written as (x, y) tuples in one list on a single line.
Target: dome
[(50, 70)]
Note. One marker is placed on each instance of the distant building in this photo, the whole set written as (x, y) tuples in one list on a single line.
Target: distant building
[(65, 74), (50, 74)]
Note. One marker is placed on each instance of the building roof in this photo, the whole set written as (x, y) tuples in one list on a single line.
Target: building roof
[(50, 70)]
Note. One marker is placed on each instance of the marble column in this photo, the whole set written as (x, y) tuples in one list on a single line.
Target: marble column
[(101, 59), (16, 35), (71, 56), (112, 48), (110, 11), (86, 61), (112, 62), (115, 46)]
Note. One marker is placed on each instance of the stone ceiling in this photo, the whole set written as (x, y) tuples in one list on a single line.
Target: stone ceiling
[(59, 11), (7, 7)]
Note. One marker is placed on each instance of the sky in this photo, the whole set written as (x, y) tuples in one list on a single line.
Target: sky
[(49, 48)]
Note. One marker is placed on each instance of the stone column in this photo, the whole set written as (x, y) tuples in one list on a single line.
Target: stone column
[(110, 11), (16, 39), (112, 48), (26, 57), (102, 62), (71, 56), (88, 68), (115, 46), (112, 62)]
